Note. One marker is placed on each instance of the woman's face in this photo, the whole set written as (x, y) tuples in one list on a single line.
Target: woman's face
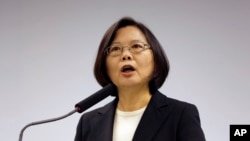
[(130, 69)]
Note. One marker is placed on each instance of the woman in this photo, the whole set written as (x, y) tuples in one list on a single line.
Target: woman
[(131, 58)]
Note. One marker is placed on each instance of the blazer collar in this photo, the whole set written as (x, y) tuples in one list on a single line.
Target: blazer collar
[(152, 119), (104, 122)]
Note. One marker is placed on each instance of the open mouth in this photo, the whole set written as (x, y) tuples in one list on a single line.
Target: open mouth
[(127, 68)]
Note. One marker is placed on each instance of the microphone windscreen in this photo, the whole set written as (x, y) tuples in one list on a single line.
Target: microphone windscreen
[(95, 98)]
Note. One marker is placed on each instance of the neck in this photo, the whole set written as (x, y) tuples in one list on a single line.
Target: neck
[(131, 99)]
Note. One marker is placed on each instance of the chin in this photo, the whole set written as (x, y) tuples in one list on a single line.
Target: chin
[(129, 84)]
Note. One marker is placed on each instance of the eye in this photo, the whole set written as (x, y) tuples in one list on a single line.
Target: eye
[(137, 46), (114, 48)]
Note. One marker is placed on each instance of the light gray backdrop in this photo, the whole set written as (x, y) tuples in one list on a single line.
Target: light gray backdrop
[(48, 47)]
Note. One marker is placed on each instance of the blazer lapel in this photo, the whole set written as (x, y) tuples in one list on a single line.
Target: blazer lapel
[(152, 119), (103, 123)]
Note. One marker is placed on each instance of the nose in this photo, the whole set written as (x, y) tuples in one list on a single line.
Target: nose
[(126, 54), (126, 58)]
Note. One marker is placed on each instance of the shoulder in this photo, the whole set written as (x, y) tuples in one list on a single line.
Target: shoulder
[(100, 110), (93, 120), (162, 99), (176, 107), (182, 115)]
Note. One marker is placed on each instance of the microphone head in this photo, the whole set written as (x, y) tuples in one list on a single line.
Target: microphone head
[(95, 98)]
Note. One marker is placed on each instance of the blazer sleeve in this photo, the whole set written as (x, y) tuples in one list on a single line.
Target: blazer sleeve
[(189, 125)]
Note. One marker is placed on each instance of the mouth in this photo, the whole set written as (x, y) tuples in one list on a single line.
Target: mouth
[(127, 68)]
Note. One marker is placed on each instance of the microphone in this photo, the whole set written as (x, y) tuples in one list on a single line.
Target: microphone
[(95, 98), (79, 107)]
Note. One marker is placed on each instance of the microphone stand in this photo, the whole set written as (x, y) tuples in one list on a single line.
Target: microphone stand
[(46, 121), (79, 107)]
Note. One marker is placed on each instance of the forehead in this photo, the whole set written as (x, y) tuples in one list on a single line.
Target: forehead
[(129, 34)]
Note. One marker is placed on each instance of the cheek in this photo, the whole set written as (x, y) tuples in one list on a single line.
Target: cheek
[(111, 66), (147, 65), (150, 67)]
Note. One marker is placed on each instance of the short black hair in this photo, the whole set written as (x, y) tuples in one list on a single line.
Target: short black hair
[(161, 63)]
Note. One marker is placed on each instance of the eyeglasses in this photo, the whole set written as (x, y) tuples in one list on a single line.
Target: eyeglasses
[(134, 47)]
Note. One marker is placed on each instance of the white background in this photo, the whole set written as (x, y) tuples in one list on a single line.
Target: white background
[(48, 48)]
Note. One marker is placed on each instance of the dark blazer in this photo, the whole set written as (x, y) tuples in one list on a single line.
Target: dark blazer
[(164, 119)]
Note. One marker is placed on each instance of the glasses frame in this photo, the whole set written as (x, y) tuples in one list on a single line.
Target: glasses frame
[(145, 46)]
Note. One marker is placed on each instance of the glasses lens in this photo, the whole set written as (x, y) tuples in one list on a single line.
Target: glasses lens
[(115, 50), (137, 47)]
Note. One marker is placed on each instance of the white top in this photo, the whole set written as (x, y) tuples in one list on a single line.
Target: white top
[(125, 124)]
